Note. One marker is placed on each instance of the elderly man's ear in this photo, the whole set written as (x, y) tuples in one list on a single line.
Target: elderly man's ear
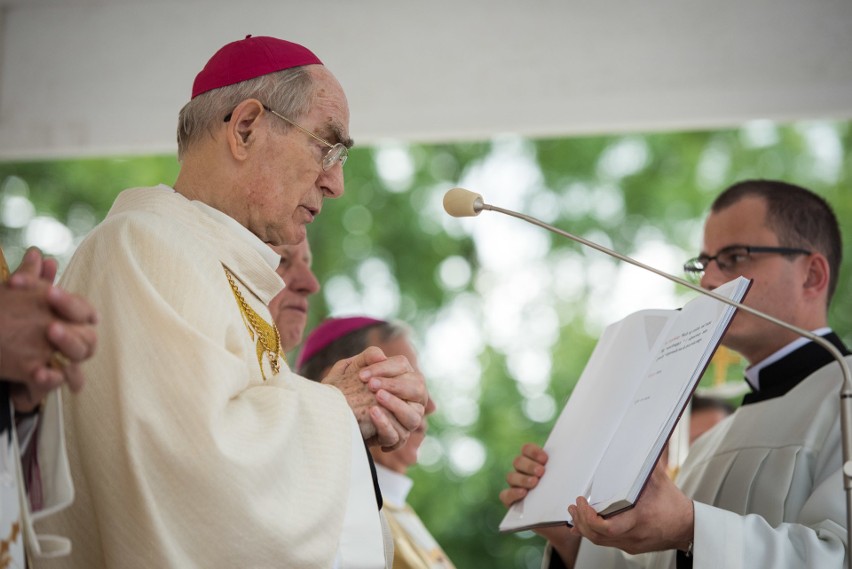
[(243, 127)]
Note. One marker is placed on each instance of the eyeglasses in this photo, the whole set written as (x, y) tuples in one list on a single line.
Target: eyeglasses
[(731, 258), (333, 154)]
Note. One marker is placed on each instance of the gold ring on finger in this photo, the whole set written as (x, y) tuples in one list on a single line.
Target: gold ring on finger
[(59, 361)]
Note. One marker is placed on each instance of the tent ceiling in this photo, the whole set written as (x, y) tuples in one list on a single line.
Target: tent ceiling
[(100, 77)]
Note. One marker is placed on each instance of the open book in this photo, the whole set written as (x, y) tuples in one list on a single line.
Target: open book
[(615, 425)]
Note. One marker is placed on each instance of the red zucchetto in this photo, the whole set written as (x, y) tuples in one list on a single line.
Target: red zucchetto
[(249, 58), (330, 330)]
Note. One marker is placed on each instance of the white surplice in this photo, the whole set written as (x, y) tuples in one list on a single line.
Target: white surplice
[(767, 487)]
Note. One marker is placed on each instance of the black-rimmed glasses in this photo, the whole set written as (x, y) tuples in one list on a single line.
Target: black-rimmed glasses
[(731, 258)]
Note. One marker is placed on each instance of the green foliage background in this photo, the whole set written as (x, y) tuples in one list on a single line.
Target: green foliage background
[(668, 191)]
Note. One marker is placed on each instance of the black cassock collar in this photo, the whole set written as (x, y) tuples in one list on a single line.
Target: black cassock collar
[(778, 378)]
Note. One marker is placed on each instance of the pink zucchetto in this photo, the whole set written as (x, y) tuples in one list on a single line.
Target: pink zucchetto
[(249, 58), (329, 331)]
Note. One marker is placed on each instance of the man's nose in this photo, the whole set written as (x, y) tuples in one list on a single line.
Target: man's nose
[(305, 282), (712, 276), (331, 181)]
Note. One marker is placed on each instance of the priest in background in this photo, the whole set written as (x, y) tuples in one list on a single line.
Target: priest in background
[(338, 338), (289, 307)]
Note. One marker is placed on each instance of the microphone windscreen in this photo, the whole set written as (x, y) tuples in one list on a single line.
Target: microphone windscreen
[(459, 202)]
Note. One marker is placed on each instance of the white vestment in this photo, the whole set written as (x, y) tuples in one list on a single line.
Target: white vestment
[(182, 454), (55, 488), (767, 487), (414, 546)]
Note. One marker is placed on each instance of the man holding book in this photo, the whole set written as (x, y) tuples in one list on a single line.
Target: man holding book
[(764, 487)]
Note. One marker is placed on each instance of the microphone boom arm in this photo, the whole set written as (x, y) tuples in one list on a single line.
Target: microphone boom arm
[(845, 391)]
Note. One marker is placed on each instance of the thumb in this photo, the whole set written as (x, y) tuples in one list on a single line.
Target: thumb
[(30, 269), (372, 355), (368, 357)]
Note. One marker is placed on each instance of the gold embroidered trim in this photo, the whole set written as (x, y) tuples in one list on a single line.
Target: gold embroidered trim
[(4, 267), (7, 544), (267, 337)]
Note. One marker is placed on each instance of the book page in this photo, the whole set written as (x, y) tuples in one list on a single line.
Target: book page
[(663, 393), (586, 425)]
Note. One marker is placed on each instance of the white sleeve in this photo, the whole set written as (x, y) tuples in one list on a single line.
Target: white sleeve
[(726, 539)]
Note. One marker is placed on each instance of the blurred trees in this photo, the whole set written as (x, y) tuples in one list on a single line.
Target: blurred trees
[(505, 314)]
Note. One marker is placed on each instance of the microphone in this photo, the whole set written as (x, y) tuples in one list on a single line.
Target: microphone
[(459, 202)]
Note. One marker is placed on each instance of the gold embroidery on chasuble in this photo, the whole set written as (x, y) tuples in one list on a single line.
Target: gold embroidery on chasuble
[(6, 559), (4, 267), (265, 335)]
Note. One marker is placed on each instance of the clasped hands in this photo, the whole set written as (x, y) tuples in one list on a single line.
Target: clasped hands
[(45, 332), (387, 395), (663, 517)]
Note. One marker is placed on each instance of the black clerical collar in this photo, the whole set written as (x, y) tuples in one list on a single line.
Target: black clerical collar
[(5, 411), (781, 376)]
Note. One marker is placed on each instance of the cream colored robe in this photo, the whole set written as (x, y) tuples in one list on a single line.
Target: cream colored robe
[(767, 486), (181, 454)]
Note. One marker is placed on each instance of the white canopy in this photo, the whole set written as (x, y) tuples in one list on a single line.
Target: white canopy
[(105, 77)]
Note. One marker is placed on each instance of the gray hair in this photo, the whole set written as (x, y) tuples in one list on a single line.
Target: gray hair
[(289, 92)]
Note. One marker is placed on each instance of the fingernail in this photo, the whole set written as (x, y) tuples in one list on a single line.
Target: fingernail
[(375, 384), (365, 374), (382, 396)]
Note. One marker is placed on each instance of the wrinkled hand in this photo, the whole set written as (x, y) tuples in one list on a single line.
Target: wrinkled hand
[(529, 468), (387, 396), (36, 321), (663, 518)]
